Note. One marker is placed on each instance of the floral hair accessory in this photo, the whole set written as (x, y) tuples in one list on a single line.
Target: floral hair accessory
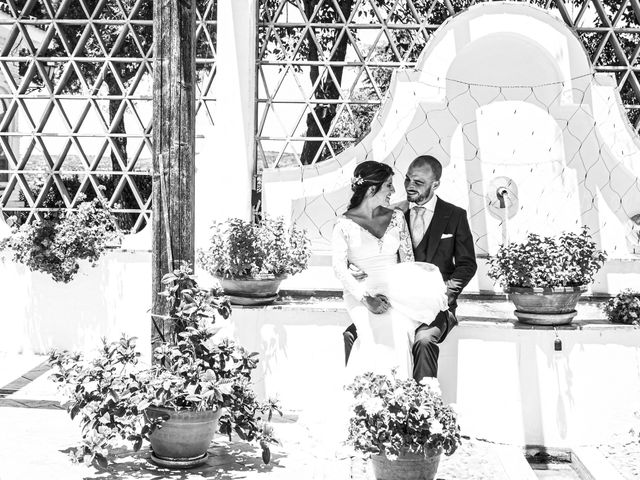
[(356, 181)]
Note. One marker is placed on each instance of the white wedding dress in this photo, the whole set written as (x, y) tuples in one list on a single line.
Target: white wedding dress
[(416, 293), (415, 290)]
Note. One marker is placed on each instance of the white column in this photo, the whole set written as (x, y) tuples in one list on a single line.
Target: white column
[(225, 161)]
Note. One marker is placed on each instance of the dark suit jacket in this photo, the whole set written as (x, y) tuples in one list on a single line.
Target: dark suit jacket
[(454, 255)]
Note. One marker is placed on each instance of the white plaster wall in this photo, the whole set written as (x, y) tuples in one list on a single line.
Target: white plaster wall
[(113, 298), (503, 90), (508, 384)]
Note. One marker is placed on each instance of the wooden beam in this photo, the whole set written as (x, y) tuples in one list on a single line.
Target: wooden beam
[(174, 76)]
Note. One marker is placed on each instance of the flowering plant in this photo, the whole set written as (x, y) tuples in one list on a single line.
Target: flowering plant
[(202, 370), (624, 307), (241, 249), (54, 244), (393, 417), (569, 259)]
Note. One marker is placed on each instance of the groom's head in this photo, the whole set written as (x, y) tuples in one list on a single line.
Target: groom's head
[(422, 179)]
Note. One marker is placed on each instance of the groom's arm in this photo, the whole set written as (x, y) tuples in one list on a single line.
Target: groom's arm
[(464, 256)]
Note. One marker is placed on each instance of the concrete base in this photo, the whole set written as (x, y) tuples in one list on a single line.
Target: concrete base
[(507, 381)]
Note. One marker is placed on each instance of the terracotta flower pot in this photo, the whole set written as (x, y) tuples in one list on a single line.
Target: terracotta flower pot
[(545, 306), (408, 466), (183, 440), (249, 291)]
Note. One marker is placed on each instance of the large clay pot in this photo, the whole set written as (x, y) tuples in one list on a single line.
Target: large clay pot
[(183, 439), (242, 291), (408, 466), (545, 306)]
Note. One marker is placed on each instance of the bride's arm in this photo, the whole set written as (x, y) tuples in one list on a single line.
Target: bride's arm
[(406, 247), (340, 263)]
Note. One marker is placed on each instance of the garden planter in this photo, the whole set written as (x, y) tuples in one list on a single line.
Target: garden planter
[(408, 466), (251, 291), (545, 306), (183, 439)]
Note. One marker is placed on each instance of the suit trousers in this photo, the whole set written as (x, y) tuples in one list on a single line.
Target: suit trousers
[(425, 349)]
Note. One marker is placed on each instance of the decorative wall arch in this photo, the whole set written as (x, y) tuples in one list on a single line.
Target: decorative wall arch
[(420, 115)]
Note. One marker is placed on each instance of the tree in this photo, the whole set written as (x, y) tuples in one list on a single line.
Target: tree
[(117, 30), (320, 43)]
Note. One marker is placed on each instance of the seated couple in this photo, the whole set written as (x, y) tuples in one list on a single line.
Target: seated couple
[(411, 263)]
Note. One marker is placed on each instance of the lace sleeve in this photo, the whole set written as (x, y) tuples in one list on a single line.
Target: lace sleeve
[(340, 263), (405, 251)]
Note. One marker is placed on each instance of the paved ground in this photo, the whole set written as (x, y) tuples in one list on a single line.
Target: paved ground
[(35, 443), (624, 457), (36, 436)]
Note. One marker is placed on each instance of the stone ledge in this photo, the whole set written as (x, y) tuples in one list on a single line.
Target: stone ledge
[(477, 311)]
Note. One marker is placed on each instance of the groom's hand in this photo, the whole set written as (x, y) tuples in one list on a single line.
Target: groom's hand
[(376, 303), (356, 272)]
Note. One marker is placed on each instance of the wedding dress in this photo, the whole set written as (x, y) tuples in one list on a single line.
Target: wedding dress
[(415, 291)]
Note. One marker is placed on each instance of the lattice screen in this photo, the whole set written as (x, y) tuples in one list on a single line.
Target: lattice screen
[(75, 86), (324, 65)]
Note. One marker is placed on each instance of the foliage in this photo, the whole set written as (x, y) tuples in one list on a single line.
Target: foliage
[(72, 183), (119, 54), (241, 249), (55, 244), (202, 370), (392, 417), (569, 259), (328, 43), (624, 308)]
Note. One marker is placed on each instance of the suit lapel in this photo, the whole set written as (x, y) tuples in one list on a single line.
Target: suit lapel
[(441, 215)]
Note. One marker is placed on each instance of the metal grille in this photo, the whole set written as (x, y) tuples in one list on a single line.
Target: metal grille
[(76, 93), (324, 65)]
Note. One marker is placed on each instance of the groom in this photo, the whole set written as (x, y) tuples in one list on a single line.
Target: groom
[(441, 235)]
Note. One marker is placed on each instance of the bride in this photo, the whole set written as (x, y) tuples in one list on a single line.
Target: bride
[(397, 294)]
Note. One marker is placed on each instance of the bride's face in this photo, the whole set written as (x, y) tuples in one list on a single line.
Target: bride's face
[(383, 196)]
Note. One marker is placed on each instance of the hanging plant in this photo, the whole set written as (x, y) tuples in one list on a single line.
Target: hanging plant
[(56, 244)]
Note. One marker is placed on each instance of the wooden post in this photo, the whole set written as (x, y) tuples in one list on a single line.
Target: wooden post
[(174, 76)]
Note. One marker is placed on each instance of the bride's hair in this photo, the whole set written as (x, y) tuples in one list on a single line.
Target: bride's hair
[(367, 174)]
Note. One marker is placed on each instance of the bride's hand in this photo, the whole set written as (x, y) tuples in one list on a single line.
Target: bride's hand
[(376, 303)]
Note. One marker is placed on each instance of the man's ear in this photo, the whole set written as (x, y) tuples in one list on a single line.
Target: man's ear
[(436, 184)]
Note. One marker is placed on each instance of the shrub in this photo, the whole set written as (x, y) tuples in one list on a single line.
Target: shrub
[(392, 417), (55, 244), (201, 370), (570, 259), (624, 308), (241, 249)]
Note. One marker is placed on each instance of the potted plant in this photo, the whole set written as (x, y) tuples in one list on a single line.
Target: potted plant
[(199, 381), (251, 259), (545, 276), (55, 244), (404, 426), (624, 308)]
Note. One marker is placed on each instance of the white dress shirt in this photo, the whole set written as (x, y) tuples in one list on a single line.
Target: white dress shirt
[(418, 228)]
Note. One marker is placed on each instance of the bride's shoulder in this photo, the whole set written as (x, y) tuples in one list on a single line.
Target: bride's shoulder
[(398, 213)]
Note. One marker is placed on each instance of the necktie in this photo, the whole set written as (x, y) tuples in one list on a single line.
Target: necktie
[(417, 229)]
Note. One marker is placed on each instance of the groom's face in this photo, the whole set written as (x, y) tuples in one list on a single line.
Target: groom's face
[(420, 184)]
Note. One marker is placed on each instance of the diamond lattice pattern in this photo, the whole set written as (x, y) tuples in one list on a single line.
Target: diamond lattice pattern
[(76, 103), (325, 65)]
